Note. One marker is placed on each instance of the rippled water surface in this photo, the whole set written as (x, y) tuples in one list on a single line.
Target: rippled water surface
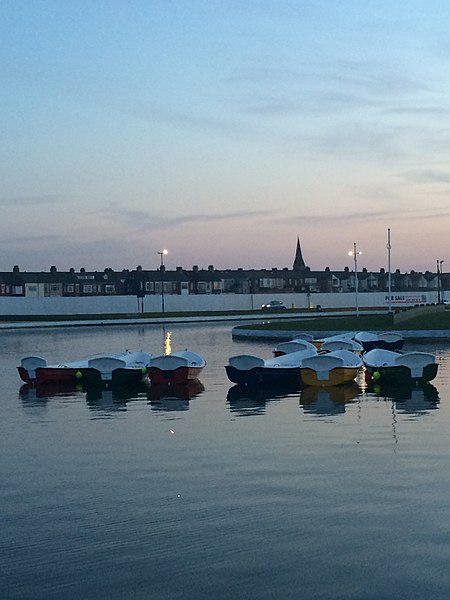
[(273, 495)]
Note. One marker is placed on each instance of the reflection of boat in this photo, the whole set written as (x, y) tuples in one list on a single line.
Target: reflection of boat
[(408, 398), (118, 368), (251, 400), (39, 394), (173, 397), (388, 366), (51, 389), (177, 391), (328, 400), (113, 399), (387, 340), (251, 370), (175, 368), (98, 398), (332, 368)]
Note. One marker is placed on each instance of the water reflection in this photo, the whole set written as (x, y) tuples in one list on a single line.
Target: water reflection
[(246, 400), (31, 395), (108, 401), (174, 397), (328, 400), (408, 399), (114, 399)]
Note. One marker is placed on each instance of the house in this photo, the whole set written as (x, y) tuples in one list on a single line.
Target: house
[(142, 282), (11, 284), (205, 281), (47, 284)]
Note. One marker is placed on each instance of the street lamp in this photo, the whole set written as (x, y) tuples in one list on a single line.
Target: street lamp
[(162, 254), (438, 272), (354, 253), (388, 247)]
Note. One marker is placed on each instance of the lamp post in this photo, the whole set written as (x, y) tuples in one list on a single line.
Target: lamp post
[(162, 254), (438, 272), (355, 253), (388, 247)]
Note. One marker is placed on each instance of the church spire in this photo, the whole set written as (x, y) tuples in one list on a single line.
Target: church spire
[(299, 263)]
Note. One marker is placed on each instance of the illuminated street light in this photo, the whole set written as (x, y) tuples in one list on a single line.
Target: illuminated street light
[(355, 253), (162, 254)]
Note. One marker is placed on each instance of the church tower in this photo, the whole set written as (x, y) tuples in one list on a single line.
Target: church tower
[(299, 263)]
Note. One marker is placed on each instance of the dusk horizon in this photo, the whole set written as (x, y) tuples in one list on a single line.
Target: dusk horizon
[(222, 131)]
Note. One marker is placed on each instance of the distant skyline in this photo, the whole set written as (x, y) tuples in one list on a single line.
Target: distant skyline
[(222, 131)]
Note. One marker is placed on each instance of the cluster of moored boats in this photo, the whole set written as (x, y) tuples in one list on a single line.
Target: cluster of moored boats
[(335, 360), (123, 368), (322, 362)]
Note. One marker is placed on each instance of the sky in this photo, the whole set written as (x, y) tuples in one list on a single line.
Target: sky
[(222, 130)]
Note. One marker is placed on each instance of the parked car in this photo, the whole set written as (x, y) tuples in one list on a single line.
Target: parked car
[(273, 305)]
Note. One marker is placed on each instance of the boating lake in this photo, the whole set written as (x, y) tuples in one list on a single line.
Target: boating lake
[(314, 494)]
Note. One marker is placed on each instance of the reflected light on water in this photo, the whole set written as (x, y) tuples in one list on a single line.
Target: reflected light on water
[(168, 343)]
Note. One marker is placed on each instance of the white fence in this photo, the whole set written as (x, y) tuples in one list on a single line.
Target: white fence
[(124, 305)]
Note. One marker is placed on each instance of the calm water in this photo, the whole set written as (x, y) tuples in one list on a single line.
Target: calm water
[(310, 495)]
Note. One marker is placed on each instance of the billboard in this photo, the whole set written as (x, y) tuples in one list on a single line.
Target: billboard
[(402, 299)]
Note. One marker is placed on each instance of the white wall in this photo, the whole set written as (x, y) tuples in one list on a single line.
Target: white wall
[(220, 302)]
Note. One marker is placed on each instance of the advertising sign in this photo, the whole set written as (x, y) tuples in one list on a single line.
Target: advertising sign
[(401, 299)]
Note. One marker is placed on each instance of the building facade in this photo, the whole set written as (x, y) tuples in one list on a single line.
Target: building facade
[(140, 282)]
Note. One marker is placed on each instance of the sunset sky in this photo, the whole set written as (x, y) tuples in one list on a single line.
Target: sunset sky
[(222, 130)]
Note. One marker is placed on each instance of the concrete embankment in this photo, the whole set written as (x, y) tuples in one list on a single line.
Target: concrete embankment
[(256, 317), (282, 335), (167, 320)]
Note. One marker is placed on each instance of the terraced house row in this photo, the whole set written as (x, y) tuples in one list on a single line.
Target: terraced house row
[(141, 282)]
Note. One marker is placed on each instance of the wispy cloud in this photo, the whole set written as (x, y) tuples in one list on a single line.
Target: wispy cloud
[(151, 221), (315, 87), (357, 140), (21, 201), (387, 216), (427, 176)]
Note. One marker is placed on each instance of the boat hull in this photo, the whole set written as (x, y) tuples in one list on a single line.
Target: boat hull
[(396, 368), (400, 375), (176, 376), (119, 369), (263, 376), (48, 375), (337, 376)]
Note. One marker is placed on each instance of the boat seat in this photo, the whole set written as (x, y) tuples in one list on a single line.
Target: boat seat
[(415, 362), (106, 365), (292, 346), (31, 363), (337, 345), (245, 362), (322, 364)]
